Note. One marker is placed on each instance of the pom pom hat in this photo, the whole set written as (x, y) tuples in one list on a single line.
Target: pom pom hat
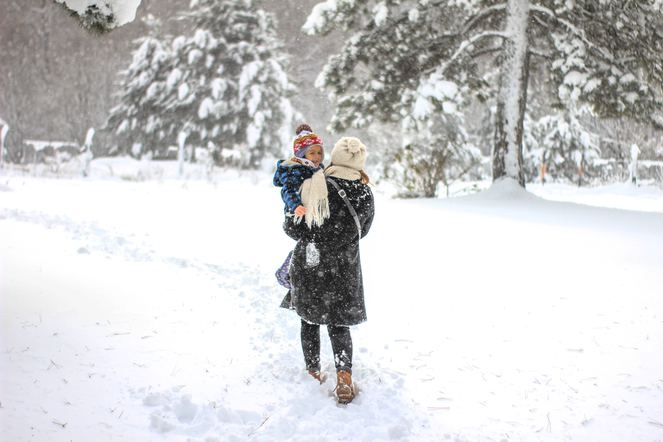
[(349, 152), (304, 140)]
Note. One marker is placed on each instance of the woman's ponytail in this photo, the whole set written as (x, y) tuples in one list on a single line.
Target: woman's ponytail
[(364, 177)]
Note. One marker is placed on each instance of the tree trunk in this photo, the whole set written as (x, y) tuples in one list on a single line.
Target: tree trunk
[(4, 128), (181, 142), (512, 95)]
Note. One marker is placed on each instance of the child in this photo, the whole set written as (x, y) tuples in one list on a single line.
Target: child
[(290, 174), (303, 186)]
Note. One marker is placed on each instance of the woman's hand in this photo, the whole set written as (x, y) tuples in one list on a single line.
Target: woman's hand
[(300, 211)]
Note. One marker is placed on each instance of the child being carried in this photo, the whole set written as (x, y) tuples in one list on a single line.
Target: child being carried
[(303, 186)]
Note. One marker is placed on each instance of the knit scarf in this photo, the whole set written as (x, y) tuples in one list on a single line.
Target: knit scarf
[(314, 198), (315, 195), (342, 172)]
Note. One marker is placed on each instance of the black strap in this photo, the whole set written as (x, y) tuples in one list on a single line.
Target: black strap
[(352, 210)]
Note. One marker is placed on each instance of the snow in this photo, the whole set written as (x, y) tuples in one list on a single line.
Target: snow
[(628, 78), (123, 10), (206, 107), (194, 55), (318, 17), (434, 87), (218, 86), (183, 91), (380, 14), (247, 76), (631, 97), (312, 255), (148, 310), (575, 78), (591, 85), (173, 78), (201, 38)]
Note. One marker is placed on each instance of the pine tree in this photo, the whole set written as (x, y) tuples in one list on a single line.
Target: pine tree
[(223, 86), (607, 53), (139, 119), (559, 145), (231, 82)]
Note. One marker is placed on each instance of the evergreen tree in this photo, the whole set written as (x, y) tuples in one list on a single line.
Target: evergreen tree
[(607, 53), (223, 87), (559, 145), (139, 119), (232, 88)]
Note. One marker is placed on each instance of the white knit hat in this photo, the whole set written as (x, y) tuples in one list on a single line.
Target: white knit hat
[(349, 152)]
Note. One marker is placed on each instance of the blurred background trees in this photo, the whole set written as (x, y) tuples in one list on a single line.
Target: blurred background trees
[(57, 80)]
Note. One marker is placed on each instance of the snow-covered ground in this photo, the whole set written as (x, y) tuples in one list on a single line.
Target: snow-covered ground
[(148, 310)]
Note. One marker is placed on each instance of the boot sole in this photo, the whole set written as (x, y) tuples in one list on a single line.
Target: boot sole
[(346, 395)]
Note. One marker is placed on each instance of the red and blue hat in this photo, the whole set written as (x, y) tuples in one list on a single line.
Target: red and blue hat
[(304, 140)]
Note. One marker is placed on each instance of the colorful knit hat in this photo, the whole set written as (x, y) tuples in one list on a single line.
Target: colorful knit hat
[(304, 140)]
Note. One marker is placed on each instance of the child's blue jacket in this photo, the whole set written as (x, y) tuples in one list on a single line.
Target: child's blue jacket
[(290, 176)]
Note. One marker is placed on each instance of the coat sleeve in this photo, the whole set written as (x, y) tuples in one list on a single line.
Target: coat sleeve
[(291, 197), (369, 211), (294, 231), (290, 179)]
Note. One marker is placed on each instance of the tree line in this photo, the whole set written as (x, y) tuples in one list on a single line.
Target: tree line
[(540, 84)]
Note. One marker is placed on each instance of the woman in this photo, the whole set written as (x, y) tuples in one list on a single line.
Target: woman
[(325, 270)]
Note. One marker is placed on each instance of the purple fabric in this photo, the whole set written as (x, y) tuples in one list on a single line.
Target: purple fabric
[(283, 273)]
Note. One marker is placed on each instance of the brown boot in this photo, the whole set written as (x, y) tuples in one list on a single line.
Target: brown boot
[(318, 375), (345, 389)]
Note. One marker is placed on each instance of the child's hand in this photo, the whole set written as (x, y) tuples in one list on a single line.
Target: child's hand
[(300, 211)]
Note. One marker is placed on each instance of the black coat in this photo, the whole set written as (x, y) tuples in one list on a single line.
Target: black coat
[(325, 270)]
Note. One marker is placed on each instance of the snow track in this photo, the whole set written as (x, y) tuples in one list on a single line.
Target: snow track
[(222, 363)]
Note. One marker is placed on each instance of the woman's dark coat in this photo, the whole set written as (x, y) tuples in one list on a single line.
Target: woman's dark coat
[(327, 285)]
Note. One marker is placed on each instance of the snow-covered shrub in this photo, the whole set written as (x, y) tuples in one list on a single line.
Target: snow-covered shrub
[(559, 147), (431, 154)]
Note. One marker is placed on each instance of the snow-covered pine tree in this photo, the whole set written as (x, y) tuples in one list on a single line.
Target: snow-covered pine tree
[(232, 89), (608, 53), (224, 86), (140, 119), (562, 146)]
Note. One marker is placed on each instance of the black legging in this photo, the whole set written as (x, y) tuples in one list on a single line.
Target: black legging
[(341, 342)]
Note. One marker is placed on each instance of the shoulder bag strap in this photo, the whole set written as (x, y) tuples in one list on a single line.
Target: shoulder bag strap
[(352, 210)]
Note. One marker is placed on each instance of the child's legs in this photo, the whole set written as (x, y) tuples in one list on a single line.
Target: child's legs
[(341, 342), (310, 335)]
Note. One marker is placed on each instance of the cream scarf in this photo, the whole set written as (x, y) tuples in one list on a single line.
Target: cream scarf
[(342, 172), (314, 198), (315, 195)]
